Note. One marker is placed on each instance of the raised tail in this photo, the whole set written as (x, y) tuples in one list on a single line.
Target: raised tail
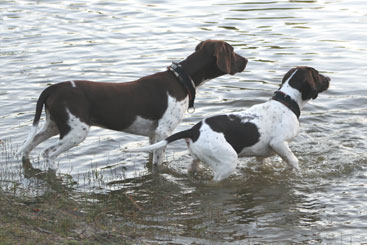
[(180, 135)]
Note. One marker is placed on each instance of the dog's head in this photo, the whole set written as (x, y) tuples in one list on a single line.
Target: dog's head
[(307, 80), (227, 60)]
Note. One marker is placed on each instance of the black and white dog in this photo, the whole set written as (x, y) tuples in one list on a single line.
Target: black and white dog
[(261, 131), (151, 106)]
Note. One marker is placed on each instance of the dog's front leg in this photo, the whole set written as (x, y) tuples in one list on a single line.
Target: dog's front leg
[(158, 155), (283, 150)]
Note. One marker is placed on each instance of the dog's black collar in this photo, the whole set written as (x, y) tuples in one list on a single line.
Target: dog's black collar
[(185, 80), (287, 101)]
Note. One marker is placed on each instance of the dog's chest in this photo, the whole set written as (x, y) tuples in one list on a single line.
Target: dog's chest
[(172, 116), (165, 125)]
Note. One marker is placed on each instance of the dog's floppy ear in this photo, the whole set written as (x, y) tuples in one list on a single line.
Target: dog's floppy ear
[(312, 81), (227, 61)]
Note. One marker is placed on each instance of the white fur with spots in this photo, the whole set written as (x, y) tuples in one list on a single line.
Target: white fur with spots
[(169, 121), (78, 132)]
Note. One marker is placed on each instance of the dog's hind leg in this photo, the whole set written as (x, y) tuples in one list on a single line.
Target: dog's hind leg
[(224, 167), (219, 155), (48, 130), (76, 134), (193, 167)]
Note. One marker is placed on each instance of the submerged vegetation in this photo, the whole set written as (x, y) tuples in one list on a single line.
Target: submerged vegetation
[(40, 207), (61, 218)]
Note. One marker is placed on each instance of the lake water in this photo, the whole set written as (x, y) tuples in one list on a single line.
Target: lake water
[(44, 42)]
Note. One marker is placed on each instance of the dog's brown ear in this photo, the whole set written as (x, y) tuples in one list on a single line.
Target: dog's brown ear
[(312, 81), (227, 61)]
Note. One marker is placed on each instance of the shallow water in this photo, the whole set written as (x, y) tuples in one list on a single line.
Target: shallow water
[(43, 42)]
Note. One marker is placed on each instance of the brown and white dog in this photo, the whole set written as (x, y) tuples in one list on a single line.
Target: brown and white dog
[(151, 106), (261, 131)]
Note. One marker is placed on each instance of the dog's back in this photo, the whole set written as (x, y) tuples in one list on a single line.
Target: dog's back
[(249, 132)]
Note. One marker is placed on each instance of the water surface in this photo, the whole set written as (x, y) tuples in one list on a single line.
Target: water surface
[(44, 42)]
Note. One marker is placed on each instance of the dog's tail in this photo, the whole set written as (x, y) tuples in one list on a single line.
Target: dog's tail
[(177, 136), (39, 107), (40, 102)]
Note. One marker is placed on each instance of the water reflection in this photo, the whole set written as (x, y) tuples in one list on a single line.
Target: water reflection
[(226, 212)]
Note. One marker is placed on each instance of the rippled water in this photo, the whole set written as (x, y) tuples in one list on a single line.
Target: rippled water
[(44, 42)]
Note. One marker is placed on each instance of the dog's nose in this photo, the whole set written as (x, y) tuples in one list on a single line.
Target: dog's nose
[(326, 82)]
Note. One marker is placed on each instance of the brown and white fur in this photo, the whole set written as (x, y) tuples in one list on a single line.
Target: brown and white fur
[(151, 106), (261, 131)]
